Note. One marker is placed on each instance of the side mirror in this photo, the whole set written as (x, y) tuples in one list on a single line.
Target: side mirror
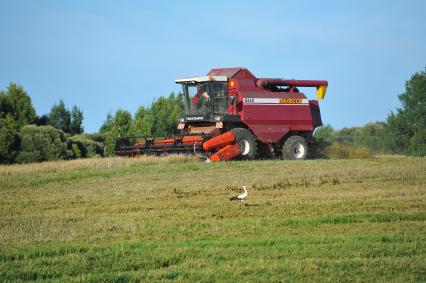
[(232, 100)]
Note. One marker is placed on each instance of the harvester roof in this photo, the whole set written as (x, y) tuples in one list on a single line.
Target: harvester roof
[(201, 79)]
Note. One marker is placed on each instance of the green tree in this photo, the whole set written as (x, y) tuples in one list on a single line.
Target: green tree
[(107, 125), (16, 111), (405, 130), (42, 120), (117, 126), (160, 111), (16, 103), (177, 110), (76, 126), (122, 122), (142, 123), (417, 145), (159, 119), (165, 112), (60, 117), (110, 141), (9, 140), (371, 136), (4, 105)]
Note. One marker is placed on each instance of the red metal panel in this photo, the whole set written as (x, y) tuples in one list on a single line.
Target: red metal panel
[(228, 72), (228, 152), (269, 133), (269, 121), (240, 73), (192, 139), (171, 141), (219, 141)]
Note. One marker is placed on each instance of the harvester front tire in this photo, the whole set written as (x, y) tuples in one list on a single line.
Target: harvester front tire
[(295, 148), (246, 143)]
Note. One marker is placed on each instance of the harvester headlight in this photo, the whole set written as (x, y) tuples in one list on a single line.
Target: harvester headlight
[(181, 119), (218, 118)]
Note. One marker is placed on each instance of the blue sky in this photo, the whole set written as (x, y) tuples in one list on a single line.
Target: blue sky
[(106, 55)]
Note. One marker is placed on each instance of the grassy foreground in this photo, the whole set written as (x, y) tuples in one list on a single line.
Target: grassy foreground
[(148, 219)]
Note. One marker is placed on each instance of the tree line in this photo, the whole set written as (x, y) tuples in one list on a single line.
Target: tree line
[(403, 132), (158, 119), (27, 137)]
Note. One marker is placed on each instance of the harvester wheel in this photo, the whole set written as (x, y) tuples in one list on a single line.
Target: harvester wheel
[(295, 147), (246, 143)]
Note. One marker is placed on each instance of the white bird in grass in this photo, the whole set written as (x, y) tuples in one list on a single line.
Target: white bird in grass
[(241, 197)]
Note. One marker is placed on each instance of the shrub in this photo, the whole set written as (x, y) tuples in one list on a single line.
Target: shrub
[(9, 140), (338, 151), (417, 143), (42, 143), (75, 149), (82, 146)]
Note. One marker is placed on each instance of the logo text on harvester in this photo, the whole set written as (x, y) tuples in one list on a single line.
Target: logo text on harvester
[(288, 100)]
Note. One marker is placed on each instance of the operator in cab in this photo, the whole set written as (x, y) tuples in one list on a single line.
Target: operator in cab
[(201, 99)]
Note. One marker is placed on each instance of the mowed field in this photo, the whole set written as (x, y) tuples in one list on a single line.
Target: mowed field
[(151, 219)]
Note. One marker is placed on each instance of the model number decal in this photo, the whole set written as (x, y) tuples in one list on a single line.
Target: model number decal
[(248, 100)]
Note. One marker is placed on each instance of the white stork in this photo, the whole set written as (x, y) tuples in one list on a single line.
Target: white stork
[(241, 197)]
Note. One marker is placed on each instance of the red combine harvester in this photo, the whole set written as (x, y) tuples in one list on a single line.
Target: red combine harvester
[(232, 114)]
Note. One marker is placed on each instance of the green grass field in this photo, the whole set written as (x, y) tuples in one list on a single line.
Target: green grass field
[(148, 219)]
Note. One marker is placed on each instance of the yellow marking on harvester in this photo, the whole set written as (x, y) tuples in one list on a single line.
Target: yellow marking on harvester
[(321, 90)]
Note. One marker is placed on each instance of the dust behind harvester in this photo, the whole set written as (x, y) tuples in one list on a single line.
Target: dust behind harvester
[(229, 113)]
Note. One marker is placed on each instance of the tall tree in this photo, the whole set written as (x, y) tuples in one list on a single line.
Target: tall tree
[(76, 126), (160, 112), (107, 125), (5, 108), (142, 123), (16, 111), (9, 140), (165, 112), (60, 117), (177, 110), (16, 103), (122, 122), (406, 129), (115, 127)]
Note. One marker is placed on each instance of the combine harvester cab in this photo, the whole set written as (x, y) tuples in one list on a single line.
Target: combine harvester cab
[(229, 113)]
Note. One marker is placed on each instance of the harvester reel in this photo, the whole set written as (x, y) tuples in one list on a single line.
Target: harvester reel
[(246, 143)]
